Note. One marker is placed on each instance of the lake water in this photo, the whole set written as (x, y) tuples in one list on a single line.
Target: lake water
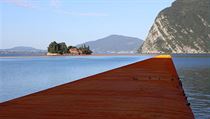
[(26, 75), (194, 72)]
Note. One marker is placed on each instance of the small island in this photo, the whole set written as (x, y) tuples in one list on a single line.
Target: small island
[(55, 49)]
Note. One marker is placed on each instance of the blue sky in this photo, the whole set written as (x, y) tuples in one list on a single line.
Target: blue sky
[(38, 22)]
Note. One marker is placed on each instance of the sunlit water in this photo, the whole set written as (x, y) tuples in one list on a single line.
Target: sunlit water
[(22, 76)]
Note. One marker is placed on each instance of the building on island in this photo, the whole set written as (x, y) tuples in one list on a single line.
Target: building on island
[(75, 51)]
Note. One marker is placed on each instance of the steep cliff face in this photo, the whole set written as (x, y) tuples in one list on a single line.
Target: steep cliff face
[(182, 28)]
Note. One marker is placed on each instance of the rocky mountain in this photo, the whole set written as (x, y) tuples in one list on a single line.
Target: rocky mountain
[(182, 28), (21, 51), (114, 44)]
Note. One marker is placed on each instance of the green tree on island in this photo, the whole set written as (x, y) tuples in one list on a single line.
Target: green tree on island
[(60, 48), (85, 49), (53, 47)]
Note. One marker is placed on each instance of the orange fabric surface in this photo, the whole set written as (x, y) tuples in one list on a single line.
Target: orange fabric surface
[(149, 89)]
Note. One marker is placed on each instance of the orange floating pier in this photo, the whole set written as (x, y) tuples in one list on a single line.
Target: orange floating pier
[(149, 89)]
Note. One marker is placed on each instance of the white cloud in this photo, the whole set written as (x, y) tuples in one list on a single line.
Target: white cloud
[(55, 4)]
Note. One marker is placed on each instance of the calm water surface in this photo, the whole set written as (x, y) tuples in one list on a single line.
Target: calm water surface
[(194, 72), (22, 76)]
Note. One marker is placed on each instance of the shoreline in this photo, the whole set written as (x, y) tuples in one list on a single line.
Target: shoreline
[(176, 55), (75, 55)]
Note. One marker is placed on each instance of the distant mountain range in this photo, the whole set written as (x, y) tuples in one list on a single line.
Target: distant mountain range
[(182, 28), (114, 44), (22, 51)]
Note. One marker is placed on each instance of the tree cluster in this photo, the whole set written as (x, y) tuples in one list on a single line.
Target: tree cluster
[(62, 48), (85, 49), (59, 48)]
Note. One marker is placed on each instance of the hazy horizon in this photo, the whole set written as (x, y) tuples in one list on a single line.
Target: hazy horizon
[(37, 23)]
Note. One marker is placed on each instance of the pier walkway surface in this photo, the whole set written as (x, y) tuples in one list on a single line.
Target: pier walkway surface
[(149, 89)]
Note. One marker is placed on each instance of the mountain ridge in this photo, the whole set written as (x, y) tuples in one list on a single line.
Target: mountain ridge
[(22, 48), (114, 44), (22, 51)]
